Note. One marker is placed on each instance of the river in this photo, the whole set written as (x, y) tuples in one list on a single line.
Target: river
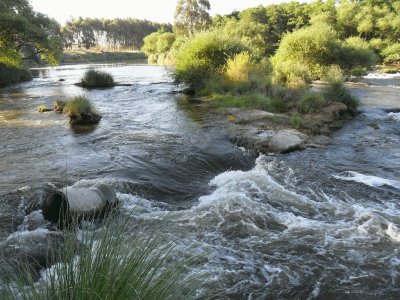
[(316, 224)]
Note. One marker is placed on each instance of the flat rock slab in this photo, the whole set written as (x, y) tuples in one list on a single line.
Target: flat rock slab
[(251, 115), (286, 141)]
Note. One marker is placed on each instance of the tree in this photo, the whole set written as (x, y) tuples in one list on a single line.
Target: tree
[(26, 34), (191, 16)]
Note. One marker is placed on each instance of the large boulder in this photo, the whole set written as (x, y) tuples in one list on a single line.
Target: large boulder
[(286, 141)]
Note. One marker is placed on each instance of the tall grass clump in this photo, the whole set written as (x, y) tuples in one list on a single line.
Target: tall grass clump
[(81, 111), (97, 79), (112, 263), (311, 102), (336, 91)]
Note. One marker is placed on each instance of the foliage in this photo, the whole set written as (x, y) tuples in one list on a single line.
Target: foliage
[(311, 102), (296, 121), (391, 53), (191, 16), (336, 91), (97, 79), (26, 34), (127, 34), (85, 56), (113, 263), (204, 56), (355, 52), (12, 74), (308, 50), (159, 42)]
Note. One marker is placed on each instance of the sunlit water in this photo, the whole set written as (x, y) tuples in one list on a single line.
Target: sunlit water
[(316, 224)]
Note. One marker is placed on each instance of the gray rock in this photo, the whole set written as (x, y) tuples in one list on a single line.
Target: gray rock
[(251, 115), (33, 221), (286, 141), (31, 250)]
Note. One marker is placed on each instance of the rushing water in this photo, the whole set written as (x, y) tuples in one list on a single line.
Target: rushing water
[(316, 224)]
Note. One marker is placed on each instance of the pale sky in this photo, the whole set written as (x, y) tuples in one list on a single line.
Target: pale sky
[(153, 10)]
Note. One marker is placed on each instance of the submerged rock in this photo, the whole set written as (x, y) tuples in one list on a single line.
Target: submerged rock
[(76, 203), (286, 141)]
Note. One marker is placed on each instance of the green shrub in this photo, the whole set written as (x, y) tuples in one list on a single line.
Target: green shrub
[(355, 54), (97, 79), (311, 102), (113, 263), (10, 75), (303, 54), (81, 111), (391, 54), (296, 121), (203, 56), (378, 45)]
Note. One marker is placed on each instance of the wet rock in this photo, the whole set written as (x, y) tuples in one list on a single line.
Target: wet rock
[(286, 141), (59, 106), (33, 221), (32, 250), (335, 110), (374, 125), (252, 115), (85, 118)]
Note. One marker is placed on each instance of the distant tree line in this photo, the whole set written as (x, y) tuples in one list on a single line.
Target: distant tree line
[(112, 34)]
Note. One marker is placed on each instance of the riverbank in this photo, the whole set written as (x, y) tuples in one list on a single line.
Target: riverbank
[(260, 131), (86, 56)]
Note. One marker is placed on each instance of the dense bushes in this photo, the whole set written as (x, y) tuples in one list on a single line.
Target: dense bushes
[(97, 79), (305, 54), (203, 57), (10, 75), (391, 53)]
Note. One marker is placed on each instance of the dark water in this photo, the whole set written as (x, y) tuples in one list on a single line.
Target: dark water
[(316, 224)]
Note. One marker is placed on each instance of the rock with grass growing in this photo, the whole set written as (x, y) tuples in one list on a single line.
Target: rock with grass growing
[(59, 106), (81, 111), (97, 79)]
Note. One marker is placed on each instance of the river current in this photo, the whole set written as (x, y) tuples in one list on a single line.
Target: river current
[(316, 224)]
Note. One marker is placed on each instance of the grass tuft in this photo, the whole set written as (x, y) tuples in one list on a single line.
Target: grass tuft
[(112, 264), (97, 79), (81, 111)]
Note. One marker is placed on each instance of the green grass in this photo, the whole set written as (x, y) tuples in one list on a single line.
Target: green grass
[(80, 110), (248, 101), (97, 79), (114, 263)]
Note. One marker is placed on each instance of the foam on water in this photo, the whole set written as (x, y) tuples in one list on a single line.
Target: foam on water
[(382, 76), (256, 234), (373, 181), (394, 116)]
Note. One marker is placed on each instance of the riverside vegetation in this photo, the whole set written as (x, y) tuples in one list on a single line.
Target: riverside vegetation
[(106, 263), (267, 57)]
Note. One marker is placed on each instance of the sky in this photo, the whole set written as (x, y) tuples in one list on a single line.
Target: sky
[(153, 10)]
